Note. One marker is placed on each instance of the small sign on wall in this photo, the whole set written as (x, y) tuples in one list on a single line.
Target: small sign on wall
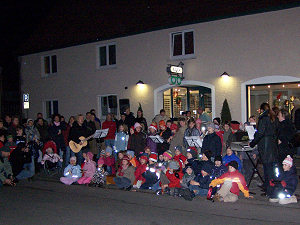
[(26, 101)]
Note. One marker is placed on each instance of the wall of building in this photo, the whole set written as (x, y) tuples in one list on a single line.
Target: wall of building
[(247, 47)]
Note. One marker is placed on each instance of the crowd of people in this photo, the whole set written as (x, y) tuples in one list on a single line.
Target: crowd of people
[(129, 158)]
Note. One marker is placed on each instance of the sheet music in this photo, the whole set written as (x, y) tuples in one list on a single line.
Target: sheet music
[(194, 141), (157, 139), (251, 131), (101, 133)]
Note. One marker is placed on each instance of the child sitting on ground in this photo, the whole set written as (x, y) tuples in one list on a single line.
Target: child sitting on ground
[(10, 143), (200, 184), (206, 159), (151, 174), (219, 169), (109, 161), (119, 159), (20, 136), (88, 169), (167, 157), (71, 173), (187, 177), (132, 158), (125, 175), (192, 160), (179, 157), (232, 182), (99, 178), (230, 156), (174, 176), (283, 192), (140, 169), (51, 159)]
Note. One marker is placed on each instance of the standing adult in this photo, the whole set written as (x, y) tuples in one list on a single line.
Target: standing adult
[(165, 133), (137, 141), (129, 118), (7, 121), (93, 111), (141, 120), (40, 116), (66, 134), (91, 129), (212, 141), (177, 139), (203, 116), (161, 116), (78, 130), (191, 131), (43, 129), (13, 127), (265, 139), (109, 140), (286, 134)]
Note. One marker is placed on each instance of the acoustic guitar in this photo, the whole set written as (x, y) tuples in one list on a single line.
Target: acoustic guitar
[(77, 147)]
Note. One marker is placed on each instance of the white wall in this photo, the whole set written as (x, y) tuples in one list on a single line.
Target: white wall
[(246, 47)]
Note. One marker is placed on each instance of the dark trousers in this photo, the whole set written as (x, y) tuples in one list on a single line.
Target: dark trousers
[(268, 175), (122, 182)]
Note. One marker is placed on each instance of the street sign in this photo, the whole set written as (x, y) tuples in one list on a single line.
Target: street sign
[(176, 69), (26, 101)]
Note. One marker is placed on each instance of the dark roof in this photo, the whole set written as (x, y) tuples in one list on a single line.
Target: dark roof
[(74, 22)]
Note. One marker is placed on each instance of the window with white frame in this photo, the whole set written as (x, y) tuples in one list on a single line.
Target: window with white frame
[(108, 104), (182, 44), (49, 65), (50, 108), (106, 55)]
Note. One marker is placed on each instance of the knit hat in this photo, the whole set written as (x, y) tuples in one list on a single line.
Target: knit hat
[(234, 164), (109, 150), (173, 165), (101, 161), (235, 125), (29, 120), (173, 126), (288, 161), (153, 126), (168, 154), (162, 123), (210, 124), (130, 152), (90, 155), (199, 121), (208, 154), (153, 157), (144, 157), (137, 125), (207, 168), (179, 148), (193, 152), (218, 158), (73, 158)]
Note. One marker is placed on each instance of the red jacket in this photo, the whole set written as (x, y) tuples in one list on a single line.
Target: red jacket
[(110, 161), (174, 181), (238, 182), (180, 159), (139, 171), (112, 129)]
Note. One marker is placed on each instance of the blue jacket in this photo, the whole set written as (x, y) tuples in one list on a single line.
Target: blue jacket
[(218, 171), (203, 181), (75, 171), (121, 141), (227, 159), (291, 180)]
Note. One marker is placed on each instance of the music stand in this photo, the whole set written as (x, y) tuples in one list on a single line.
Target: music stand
[(101, 133), (157, 139), (194, 141)]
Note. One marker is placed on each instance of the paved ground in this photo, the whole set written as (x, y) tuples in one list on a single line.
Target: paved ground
[(46, 201)]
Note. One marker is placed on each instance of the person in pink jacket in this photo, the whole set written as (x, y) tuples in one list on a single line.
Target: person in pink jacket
[(109, 161), (88, 169)]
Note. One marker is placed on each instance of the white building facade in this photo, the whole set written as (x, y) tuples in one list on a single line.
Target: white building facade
[(260, 52)]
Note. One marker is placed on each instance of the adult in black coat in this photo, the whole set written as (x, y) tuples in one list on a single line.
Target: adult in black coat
[(212, 141), (165, 133), (286, 134), (137, 141), (55, 132), (129, 119), (141, 120), (265, 139), (20, 157)]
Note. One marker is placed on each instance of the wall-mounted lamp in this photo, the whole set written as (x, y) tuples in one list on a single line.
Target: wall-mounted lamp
[(225, 75), (140, 82)]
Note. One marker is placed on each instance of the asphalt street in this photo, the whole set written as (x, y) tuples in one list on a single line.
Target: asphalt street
[(46, 201)]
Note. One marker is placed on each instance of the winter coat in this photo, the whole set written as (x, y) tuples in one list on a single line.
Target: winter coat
[(90, 126), (207, 164), (286, 134), (32, 133), (227, 159), (19, 139), (77, 131), (190, 132), (110, 161), (162, 147), (127, 173), (265, 138), (218, 171), (291, 180), (151, 144), (213, 143), (89, 168), (5, 169), (54, 158), (112, 127), (121, 141), (203, 181), (180, 159), (195, 164), (75, 171), (238, 182), (178, 140), (129, 120), (139, 172), (186, 179), (18, 158), (43, 130), (57, 138), (174, 180), (137, 142)]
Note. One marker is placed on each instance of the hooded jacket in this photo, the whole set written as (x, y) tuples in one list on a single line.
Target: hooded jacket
[(75, 171)]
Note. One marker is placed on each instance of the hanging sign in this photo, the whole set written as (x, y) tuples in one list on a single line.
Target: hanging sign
[(174, 80), (26, 101), (175, 74)]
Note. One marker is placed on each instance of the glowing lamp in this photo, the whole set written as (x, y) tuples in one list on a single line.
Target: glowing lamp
[(140, 82)]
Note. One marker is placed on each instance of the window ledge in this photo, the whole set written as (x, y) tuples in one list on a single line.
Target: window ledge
[(107, 67), (178, 57), (47, 75)]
